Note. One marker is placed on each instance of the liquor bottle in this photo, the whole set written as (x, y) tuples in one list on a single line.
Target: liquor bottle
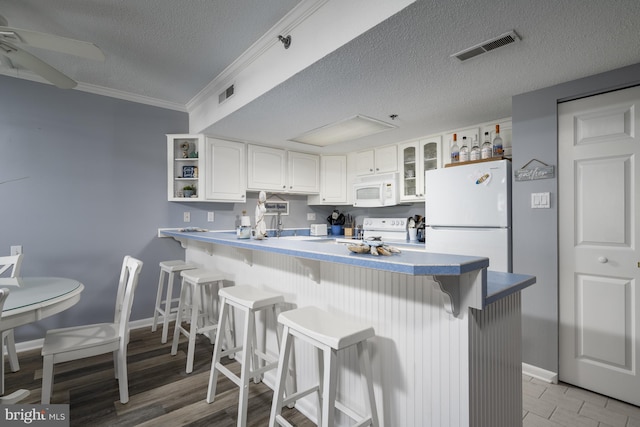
[(487, 147), (464, 150), (475, 149), (497, 143), (455, 150)]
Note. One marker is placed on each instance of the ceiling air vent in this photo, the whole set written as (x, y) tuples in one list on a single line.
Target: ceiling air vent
[(486, 46), (226, 94)]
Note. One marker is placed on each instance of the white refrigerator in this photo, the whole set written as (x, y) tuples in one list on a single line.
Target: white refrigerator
[(468, 211)]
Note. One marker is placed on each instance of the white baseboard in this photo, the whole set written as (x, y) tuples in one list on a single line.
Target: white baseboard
[(540, 374)]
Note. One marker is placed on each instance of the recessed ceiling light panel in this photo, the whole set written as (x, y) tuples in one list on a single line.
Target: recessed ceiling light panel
[(349, 129)]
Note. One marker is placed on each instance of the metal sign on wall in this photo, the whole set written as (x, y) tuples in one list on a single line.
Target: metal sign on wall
[(537, 172)]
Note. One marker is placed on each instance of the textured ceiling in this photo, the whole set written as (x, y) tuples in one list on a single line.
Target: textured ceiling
[(170, 50), (162, 49)]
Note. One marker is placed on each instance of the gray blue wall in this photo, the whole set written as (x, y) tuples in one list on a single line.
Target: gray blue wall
[(94, 191), (535, 231)]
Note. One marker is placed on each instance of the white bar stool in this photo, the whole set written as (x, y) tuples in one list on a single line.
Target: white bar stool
[(249, 300), (329, 333), (198, 295), (170, 269)]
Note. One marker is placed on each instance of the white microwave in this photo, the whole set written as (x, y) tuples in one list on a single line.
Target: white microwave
[(375, 191)]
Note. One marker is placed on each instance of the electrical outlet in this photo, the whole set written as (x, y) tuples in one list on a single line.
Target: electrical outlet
[(16, 250), (311, 216), (187, 217), (210, 216)]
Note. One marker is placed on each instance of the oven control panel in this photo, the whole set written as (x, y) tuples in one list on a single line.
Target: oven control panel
[(385, 224)]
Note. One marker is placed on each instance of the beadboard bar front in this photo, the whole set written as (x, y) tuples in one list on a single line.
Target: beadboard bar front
[(431, 367)]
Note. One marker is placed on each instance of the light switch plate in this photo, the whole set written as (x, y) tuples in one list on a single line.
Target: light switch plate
[(210, 216), (540, 200)]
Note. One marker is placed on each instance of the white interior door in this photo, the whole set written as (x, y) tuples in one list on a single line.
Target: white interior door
[(599, 188)]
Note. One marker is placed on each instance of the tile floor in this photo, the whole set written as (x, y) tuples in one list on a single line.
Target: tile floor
[(554, 405)]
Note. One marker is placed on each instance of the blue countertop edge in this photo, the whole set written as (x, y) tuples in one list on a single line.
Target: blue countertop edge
[(498, 284), (408, 262)]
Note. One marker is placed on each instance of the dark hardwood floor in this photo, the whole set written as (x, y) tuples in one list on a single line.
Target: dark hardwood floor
[(161, 393)]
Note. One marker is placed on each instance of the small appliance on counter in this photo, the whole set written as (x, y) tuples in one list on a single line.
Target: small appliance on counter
[(318, 230), (244, 230)]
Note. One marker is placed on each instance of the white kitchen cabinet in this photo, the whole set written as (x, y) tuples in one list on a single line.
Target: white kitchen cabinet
[(416, 158), (378, 160), (281, 171), (333, 182), (184, 167), (225, 171), (304, 173), (267, 169)]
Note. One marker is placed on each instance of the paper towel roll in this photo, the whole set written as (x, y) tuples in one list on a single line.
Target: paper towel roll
[(245, 220)]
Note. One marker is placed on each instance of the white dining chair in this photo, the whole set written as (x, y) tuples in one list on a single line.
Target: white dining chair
[(18, 395), (63, 345), (12, 263)]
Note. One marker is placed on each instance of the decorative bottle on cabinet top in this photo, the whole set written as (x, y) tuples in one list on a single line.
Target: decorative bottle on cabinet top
[(487, 147), (455, 150), (464, 150), (475, 149), (497, 143)]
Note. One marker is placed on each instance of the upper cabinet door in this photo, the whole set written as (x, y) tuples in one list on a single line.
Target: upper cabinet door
[(304, 173), (225, 177), (365, 162), (386, 159), (333, 181), (267, 169), (378, 160), (416, 158)]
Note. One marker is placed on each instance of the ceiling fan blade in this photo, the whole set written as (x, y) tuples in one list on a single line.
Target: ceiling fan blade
[(51, 42), (30, 62)]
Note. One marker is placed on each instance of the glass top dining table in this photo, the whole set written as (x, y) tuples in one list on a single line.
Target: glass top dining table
[(31, 299)]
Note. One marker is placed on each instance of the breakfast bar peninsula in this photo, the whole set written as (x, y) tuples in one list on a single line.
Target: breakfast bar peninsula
[(447, 350)]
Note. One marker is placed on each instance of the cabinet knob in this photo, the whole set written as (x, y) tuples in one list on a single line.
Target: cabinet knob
[(284, 186), (603, 259)]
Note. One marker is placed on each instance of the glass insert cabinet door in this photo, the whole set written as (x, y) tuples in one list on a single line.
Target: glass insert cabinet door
[(416, 158), (409, 170)]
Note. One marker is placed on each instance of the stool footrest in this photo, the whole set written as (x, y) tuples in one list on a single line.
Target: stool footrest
[(227, 373), (299, 395), (364, 421), (227, 352), (280, 420), (266, 357), (264, 369)]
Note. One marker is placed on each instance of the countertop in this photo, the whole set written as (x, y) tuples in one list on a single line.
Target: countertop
[(408, 262), (412, 262)]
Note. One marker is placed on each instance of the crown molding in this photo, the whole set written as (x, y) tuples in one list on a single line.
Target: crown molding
[(99, 90)]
